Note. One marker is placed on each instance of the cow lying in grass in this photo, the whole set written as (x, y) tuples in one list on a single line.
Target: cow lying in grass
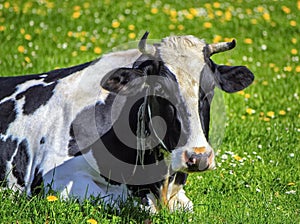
[(132, 123)]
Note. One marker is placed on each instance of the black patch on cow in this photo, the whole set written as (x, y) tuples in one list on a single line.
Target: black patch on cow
[(7, 115), (81, 131), (7, 149), (8, 84), (35, 97), (73, 149), (57, 74), (180, 178), (42, 141), (20, 163), (37, 182)]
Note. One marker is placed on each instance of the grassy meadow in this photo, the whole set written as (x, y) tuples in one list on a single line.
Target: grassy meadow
[(257, 141)]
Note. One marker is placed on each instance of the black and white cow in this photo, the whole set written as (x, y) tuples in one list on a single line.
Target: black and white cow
[(133, 122)]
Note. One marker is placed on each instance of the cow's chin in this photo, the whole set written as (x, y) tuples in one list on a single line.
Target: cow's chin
[(181, 162)]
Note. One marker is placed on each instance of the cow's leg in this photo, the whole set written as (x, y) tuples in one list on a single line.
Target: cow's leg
[(179, 201)]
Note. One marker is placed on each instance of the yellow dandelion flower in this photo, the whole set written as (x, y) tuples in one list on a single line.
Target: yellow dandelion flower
[(2, 28), (228, 39), (237, 157), (115, 24), (286, 9), (189, 16), (27, 37), (74, 53), (247, 96), (93, 39), (154, 10), (249, 11), (253, 21), (265, 83), (216, 4), (131, 35), (291, 184), (22, 31), (207, 5), (171, 27), (27, 59), (76, 8), (83, 48), (250, 111), (261, 114), (211, 15), (217, 38), (219, 13), (243, 117), (248, 41), (266, 119), (228, 15), (297, 69), (193, 11), (298, 4), (21, 49), (266, 16), (260, 9), (242, 93), (294, 40), (76, 15), (131, 27), (294, 51), (271, 114), (86, 5), (276, 69), (97, 50), (207, 25), (83, 33), (271, 65), (6, 5), (52, 198), (173, 13), (180, 27), (282, 112), (92, 221), (288, 68), (50, 5), (70, 34), (293, 23)]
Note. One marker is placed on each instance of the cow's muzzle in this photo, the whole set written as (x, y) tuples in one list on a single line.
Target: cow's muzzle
[(199, 160)]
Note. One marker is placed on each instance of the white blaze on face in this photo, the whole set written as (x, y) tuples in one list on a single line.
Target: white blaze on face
[(183, 56)]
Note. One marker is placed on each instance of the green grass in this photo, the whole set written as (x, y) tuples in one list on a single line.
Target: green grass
[(259, 181)]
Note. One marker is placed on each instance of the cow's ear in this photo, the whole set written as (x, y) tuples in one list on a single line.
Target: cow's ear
[(123, 81), (233, 78)]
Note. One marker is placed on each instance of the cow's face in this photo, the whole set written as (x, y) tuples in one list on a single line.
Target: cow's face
[(179, 78)]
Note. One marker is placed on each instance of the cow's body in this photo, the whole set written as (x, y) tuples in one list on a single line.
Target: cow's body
[(68, 129)]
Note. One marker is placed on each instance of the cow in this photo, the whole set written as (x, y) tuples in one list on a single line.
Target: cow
[(132, 123)]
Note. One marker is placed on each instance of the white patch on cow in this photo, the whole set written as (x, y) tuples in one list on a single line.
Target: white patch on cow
[(183, 55), (79, 177)]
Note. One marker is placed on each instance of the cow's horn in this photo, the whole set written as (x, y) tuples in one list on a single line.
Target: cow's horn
[(220, 47), (144, 47)]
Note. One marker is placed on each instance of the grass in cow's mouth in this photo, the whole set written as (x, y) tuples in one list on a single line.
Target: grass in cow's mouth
[(258, 174)]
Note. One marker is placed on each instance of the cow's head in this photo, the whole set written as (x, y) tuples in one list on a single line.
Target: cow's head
[(178, 77)]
